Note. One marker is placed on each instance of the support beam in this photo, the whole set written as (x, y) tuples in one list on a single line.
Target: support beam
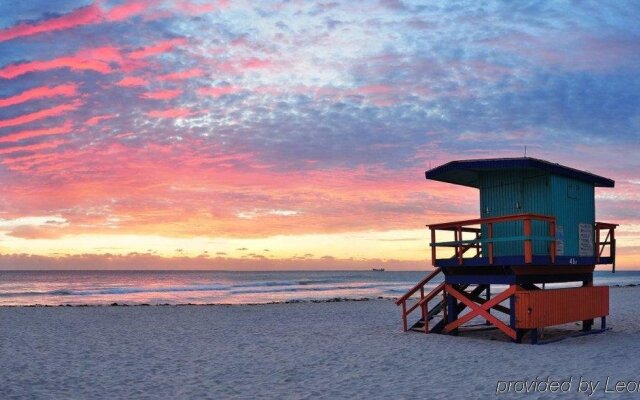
[(528, 249), (519, 334), (587, 324), (480, 311), (512, 310), (488, 297), (452, 306), (534, 336), (482, 301), (490, 234)]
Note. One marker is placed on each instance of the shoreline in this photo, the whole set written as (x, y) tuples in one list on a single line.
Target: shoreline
[(116, 304)]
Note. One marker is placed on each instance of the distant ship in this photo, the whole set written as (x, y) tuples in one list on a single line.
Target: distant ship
[(377, 269)]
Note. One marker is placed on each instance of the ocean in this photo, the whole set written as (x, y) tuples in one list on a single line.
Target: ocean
[(216, 287)]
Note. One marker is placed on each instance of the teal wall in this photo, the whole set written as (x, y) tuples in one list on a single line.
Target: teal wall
[(533, 191), (573, 203)]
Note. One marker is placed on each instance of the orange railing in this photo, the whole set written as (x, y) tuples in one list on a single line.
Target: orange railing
[(461, 246), (422, 302), (609, 240)]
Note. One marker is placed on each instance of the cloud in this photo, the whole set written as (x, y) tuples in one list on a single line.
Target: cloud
[(182, 75), (255, 63), (170, 113), (95, 120), (138, 260), (127, 10), (98, 60), (156, 49), (36, 133), (42, 92), (165, 94), (129, 81), (36, 232), (81, 16), (89, 15), (218, 91), (32, 147), (41, 114)]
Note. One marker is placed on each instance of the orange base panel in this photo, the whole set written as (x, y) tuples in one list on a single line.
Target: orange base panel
[(540, 308)]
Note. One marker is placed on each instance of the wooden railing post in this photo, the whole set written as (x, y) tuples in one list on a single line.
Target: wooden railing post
[(425, 318), (459, 246), (612, 250), (444, 304), (552, 244), (490, 233), (404, 315), (433, 247), (597, 246), (528, 251)]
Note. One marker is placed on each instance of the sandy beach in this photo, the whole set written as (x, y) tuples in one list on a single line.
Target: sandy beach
[(307, 350)]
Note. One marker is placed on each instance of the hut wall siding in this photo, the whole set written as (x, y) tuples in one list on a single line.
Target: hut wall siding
[(515, 192), (573, 203), (540, 308)]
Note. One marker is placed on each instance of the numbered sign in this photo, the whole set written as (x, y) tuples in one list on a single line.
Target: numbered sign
[(585, 237)]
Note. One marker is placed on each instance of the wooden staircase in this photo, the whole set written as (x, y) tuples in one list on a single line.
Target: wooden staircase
[(419, 326), (422, 325), (439, 309)]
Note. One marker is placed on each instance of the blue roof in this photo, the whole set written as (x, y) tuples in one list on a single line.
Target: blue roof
[(466, 172)]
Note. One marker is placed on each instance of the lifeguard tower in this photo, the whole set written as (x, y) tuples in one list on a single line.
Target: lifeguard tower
[(537, 226)]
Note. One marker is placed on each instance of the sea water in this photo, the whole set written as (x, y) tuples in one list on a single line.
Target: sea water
[(218, 287)]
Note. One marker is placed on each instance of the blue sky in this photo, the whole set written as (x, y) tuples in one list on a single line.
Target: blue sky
[(233, 120)]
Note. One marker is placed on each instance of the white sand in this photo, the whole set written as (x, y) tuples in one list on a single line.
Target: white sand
[(325, 350)]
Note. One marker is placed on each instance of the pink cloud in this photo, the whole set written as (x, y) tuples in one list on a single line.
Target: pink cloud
[(97, 59), (97, 119), (28, 134), (170, 113), (78, 17), (218, 91), (88, 15), (36, 232), (203, 7), (192, 8), (157, 48), (38, 115), (32, 147), (255, 63), (374, 89), (126, 10), (39, 93), (181, 75), (162, 94), (130, 81)]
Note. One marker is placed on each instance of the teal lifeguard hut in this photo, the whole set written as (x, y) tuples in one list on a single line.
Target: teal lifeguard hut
[(537, 225)]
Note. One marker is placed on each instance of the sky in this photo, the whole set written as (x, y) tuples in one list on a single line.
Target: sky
[(295, 134)]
